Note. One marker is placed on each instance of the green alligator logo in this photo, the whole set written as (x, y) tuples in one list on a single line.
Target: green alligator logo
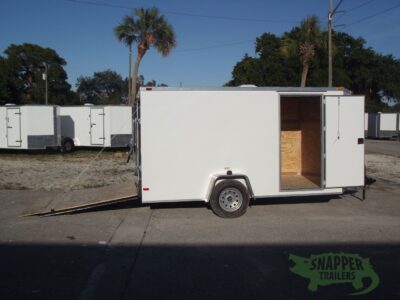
[(333, 268)]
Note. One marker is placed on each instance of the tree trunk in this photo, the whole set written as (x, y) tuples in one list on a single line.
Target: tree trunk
[(130, 76), (134, 78), (304, 75)]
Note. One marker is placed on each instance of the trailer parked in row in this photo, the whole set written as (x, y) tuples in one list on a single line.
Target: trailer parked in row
[(226, 146), (95, 126), (383, 125), (29, 127)]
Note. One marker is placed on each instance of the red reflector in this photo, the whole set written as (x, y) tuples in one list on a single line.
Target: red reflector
[(149, 88), (146, 189)]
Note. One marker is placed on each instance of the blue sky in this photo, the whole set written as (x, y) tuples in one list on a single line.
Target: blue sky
[(83, 34)]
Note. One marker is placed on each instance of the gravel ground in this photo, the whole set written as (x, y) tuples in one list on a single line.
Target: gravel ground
[(382, 166), (60, 172)]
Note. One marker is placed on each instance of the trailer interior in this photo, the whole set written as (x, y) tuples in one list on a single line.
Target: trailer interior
[(300, 142)]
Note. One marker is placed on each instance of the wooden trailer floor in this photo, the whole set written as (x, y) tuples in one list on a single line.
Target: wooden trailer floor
[(297, 182)]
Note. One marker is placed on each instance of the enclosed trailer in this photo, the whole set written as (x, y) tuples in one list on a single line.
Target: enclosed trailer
[(228, 145), (96, 126), (383, 125), (29, 127)]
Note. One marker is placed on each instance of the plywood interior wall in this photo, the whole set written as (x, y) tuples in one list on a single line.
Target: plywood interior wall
[(300, 136), (290, 137), (311, 134)]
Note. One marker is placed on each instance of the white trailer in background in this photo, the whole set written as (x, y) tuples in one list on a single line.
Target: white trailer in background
[(383, 125), (228, 145), (96, 126), (29, 127)]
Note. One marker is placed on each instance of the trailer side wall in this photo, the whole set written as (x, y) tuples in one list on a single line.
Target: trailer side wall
[(187, 136)]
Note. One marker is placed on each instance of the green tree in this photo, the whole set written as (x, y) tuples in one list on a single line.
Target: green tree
[(106, 87), (151, 30), (154, 83), (21, 75), (270, 68), (303, 41), (126, 33), (355, 67)]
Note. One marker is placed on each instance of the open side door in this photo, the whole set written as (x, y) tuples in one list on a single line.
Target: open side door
[(344, 141), (97, 126), (14, 127)]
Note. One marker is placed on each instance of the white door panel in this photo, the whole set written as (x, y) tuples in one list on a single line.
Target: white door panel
[(344, 143), (13, 127), (97, 126)]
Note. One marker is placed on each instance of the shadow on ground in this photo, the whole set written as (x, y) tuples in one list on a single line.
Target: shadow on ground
[(46, 271), (201, 204)]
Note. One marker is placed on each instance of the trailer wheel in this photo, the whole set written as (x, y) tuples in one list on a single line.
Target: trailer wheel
[(229, 199), (67, 145)]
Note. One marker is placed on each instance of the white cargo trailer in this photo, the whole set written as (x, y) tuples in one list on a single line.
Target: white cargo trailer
[(383, 125), (226, 146), (29, 127), (96, 126)]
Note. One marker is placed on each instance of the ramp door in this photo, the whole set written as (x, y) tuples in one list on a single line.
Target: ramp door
[(344, 141), (13, 127), (97, 126)]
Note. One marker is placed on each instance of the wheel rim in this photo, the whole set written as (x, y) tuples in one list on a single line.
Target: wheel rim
[(68, 146), (230, 199)]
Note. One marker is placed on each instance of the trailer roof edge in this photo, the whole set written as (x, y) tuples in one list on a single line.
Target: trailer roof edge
[(277, 89)]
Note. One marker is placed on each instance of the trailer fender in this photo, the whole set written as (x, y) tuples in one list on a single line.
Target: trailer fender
[(218, 177)]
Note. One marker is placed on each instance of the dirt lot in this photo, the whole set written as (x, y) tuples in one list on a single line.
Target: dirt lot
[(47, 171), (385, 167)]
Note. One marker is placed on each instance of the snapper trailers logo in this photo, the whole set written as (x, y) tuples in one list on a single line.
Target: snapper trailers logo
[(334, 268)]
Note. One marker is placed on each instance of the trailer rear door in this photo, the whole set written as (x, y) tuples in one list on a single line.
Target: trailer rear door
[(97, 126), (14, 127), (344, 141)]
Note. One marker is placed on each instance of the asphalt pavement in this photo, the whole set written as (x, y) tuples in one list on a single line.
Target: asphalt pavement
[(183, 251), (387, 147)]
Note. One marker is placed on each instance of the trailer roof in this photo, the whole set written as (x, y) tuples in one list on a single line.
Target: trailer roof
[(27, 105), (249, 88)]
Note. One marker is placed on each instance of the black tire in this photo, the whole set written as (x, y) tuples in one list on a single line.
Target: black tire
[(67, 146), (229, 199)]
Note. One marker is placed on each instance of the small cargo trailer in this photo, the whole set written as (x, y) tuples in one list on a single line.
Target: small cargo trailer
[(96, 126), (383, 125), (227, 145), (29, 127)]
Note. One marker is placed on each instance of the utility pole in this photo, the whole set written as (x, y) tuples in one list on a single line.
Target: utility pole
[(330, 28), (46, 67), (330, 15), (130, 76)]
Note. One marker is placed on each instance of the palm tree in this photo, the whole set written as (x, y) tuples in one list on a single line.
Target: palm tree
[(126, 33), (150, 29), (303, 41)]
